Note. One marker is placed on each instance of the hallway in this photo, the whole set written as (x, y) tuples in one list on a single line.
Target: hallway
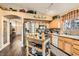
[(14, 49)]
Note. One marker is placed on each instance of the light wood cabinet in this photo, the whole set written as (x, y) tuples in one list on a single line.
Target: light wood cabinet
[(65, 44), (69, 40), (76, 41), (55, 23), (69, 45), (76, 52), (71, 15), (76, 47), (68, 48), (61, 43)]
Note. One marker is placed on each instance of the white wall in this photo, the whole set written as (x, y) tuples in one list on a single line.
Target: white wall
[(2, 45)]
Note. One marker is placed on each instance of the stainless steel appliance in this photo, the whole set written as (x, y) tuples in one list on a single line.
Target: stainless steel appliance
[(55, 39), (55, 33)]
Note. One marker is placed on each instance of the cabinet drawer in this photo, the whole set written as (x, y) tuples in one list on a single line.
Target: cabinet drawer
[(68, 48), (60, 38), (68, 40), (75, 51), (75, 54), (76, 42), (76, 46)]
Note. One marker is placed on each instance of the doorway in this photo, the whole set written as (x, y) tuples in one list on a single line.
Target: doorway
[(15, 36), (12, 31)]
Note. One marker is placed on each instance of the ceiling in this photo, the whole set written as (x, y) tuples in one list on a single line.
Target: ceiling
[(45, 8)]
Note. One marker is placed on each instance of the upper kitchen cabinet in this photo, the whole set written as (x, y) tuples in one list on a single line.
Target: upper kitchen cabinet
[(55, 23)]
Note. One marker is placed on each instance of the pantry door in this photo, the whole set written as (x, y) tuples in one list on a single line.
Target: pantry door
[(6, 32)]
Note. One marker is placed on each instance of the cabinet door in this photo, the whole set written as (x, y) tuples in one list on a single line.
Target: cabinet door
[(61, 44), (76, 50), (55, 23), (68, 47)]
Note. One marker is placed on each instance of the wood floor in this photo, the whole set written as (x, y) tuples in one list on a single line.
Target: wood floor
[(14, 49)]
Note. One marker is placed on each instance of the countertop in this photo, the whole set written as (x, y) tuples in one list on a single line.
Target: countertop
[(70, 36)]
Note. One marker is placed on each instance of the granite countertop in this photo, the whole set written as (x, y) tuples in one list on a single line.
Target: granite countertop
[(70, 36)]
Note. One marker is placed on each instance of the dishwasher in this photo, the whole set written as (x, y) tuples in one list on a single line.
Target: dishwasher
[(55, 39)]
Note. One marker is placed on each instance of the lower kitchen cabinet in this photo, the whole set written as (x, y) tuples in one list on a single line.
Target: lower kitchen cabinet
[(68, 45), (76, 42), (68, 48), (75, 47), (65, 44), (61, 43), (75, 52)]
